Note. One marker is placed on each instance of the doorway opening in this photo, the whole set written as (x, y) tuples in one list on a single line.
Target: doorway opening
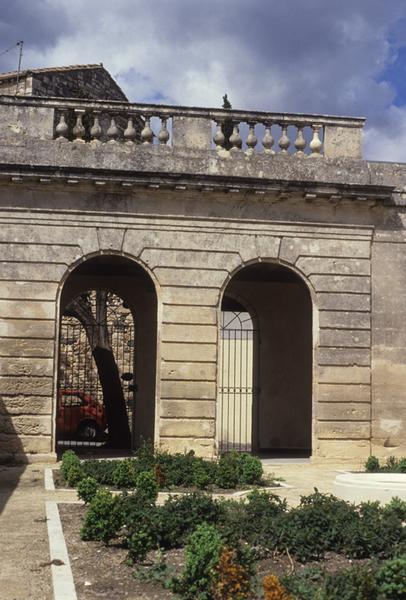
[(265, 384), (107, 356)]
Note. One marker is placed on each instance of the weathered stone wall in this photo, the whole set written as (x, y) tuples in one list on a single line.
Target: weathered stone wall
[(192, 236)]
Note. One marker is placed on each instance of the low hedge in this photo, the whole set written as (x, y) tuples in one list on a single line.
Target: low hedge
[(391, 465), (231, 471)]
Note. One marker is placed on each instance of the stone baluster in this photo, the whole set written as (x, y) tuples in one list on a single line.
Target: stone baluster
[(95, 131), (251, 139), (62, 129), (147, 135), (113, 131), (316, 144), (219, 138), (300, 142), (129, 131), (163, 135), (235, 139), (284, 141), (79, 130), (267, 140)]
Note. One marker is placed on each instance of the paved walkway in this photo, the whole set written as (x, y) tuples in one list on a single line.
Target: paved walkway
[(25, 573)]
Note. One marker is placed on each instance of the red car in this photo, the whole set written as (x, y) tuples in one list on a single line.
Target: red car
[(80, 416)]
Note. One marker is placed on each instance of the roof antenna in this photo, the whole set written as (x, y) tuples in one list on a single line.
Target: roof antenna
[(20, 43)]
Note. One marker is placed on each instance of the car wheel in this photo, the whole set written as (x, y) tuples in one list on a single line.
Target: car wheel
[(88, 430)]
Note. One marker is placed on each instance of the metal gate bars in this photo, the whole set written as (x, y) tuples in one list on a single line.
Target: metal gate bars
[(238, 391), (94, 325)]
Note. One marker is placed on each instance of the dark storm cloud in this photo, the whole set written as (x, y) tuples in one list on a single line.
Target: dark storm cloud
[(38, 22), (329, 56)]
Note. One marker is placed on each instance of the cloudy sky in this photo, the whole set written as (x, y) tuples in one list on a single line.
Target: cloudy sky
[(324, 56)]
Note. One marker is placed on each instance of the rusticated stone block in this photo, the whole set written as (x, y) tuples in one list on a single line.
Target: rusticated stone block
[(37, 386), (182, 295), (356, 302), (27, 366), (25, 425), (43, 348), (201, 446), (198, 315), (204, 334), (346, 338), (341, 283), (182, 427), (24, 328), (328, 392), (188, 409), (337, 450), (292, 248), (343, 411), (189, 351), (29, 405), (189, 371), (344, 356), (334, 430), (344, 320), (12, 443), (344, 375), (188, 389)]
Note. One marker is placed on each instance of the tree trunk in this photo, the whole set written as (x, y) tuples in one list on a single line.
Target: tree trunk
[(96, 327)]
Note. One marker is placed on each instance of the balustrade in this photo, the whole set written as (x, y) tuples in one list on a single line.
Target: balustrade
[(232, 132)]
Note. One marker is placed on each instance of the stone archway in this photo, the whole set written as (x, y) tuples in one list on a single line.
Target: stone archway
[(121, 354), (282, 361)]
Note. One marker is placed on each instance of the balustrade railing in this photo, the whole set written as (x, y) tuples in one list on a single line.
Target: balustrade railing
[(230, 132)]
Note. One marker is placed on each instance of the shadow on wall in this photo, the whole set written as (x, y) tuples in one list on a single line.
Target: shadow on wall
[(10, 447)]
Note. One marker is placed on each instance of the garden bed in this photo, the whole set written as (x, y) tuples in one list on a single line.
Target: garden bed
[(101, 571)]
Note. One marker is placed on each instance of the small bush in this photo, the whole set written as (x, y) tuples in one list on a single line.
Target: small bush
[(402, 465), (227, 471), (142, 526), (180, 515), (104, 517), (249, 469), (231, 578), (202, 554), (101, 470), (396, 507), (75, 474), (274, 590), (372, 464), (124, 475), (87, 489), (69, 459), (391, 578), (147, 487)]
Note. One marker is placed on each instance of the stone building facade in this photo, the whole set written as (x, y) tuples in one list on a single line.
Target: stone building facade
[(290, 225)]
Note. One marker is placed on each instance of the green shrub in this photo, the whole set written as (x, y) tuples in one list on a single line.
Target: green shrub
[(313, 583), (74, 475), (141, 524), (396, 507), (124, 474), (402, 465), (147, 487), (227, 471), (101, 470), (249, 469), (371, 532), (87, 489), (69, 459), (104, 517), (315, 526), (201, 475), (180, 515), (391, 578), (201, 556), (372, 464)]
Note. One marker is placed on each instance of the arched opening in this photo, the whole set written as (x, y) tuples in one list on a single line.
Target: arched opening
[(107, 356), (265, 384)]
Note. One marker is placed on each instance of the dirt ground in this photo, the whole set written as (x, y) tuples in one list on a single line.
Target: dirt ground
[(102, 572)]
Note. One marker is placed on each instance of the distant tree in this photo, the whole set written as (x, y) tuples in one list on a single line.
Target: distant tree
[(94, 321), (226, 103)]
